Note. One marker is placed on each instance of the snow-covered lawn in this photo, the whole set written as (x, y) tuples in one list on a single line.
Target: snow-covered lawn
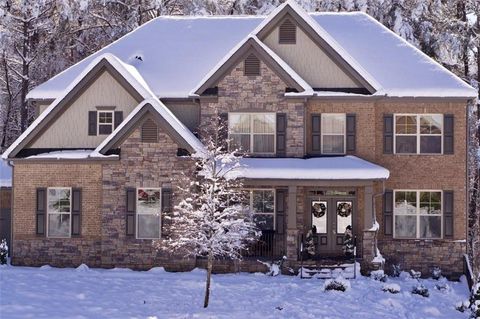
[(97, 293)]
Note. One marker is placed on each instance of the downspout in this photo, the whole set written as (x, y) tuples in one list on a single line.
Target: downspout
[(374, 217), (10, 249)]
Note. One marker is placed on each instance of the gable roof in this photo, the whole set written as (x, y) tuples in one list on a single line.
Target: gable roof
[(266, 54), (177, 53), (162, 115), (128, 76)]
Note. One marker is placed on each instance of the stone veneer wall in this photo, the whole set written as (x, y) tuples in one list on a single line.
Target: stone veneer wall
[(141, 165), (28, 249), (264, 93)]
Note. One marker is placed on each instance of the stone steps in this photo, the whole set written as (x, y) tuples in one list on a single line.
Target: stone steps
[(328, 271)]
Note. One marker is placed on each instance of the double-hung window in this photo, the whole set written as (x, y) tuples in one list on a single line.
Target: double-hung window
[(418, 133), (252, 132), (59, 211), (105, 122), (418, 214), (148, 213), (333, 133), (262, 203)]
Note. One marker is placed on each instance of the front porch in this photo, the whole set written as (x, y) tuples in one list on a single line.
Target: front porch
[(321, 220)]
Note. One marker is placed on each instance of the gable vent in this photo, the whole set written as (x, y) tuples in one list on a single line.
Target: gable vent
[(287, 32), (252, 65), (149, 132)]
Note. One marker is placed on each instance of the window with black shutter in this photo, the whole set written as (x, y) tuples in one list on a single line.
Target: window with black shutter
[(252, 65)]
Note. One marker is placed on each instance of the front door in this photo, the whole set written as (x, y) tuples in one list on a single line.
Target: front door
[(330, 216)]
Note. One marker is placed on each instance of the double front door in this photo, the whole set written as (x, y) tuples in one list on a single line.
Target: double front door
[(330, 218)]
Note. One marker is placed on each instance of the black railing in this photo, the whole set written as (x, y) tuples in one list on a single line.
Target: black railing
[(269, 245)]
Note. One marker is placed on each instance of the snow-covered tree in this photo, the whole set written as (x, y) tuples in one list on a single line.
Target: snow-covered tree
[(213, 219)]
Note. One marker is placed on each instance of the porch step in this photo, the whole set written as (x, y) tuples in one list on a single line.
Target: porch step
[(327, 271)]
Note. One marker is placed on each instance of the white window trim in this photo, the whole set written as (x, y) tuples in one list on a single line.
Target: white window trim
[(64, 213), (137, 213), (418, 214), (334, 134), (251, 190), (98, 120), (252, 134), (418, 134)]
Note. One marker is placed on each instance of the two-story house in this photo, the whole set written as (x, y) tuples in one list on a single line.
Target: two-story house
[(342, 121)]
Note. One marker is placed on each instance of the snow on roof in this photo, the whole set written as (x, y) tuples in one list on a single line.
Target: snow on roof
[(177, 53), (158, 106), (320, 168), (297, 78), (399, 67), (67, 154), (133, 77)]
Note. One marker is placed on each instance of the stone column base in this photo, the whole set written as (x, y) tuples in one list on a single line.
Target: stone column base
[(369, 263)]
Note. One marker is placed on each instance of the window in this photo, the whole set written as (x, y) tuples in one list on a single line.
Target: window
[(105, 122), (418, 134), (287, 32), (59, 212), (252, 132), (333, 133), (262, 202), (149, 132), (148, 213), (251, 65), (418, 214)]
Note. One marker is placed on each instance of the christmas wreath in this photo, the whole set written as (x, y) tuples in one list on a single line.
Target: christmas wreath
[(319, 209), (344, 209)]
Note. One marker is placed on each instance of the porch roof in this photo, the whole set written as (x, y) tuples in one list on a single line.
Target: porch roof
[(319, 168)]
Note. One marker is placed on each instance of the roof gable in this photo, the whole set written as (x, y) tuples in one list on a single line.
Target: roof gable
[(241, 51), (125, 74), (157, 110)]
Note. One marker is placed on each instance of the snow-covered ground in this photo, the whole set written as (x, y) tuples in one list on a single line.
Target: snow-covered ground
[(121, 293)]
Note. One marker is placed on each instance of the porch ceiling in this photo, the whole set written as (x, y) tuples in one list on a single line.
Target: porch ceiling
[(338, 168)]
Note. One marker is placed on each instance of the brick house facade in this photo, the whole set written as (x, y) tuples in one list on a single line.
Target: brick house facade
[(408, 208)]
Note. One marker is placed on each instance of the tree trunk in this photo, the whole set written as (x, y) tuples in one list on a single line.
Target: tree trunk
[(209, 275), (25, 79), (3, 144)]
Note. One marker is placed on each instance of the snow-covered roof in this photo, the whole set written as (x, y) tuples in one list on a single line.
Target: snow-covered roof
[(178, 52), (320, 168), (69, 154), (133, 77), (262, 46)]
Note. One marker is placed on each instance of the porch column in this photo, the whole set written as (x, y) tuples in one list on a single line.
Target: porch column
[(292, 232), (368, 207)]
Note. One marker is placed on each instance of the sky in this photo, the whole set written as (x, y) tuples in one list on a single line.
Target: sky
[(5, 174)]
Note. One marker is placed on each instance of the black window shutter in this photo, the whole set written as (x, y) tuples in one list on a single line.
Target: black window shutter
[(223, 134), (92, 123), (351, 132), (388, 212), (388, 134), (130, 212), (280, 206), (448, 127), (316, 133), (448, 214), (281, 134), (41, 211), (118, 118), (76, 211), (166, 209)]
